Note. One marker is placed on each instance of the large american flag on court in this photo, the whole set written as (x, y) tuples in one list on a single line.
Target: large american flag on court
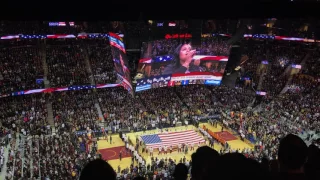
[(172, 138)]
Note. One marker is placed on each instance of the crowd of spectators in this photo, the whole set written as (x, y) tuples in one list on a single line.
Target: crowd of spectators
[(271, 60), (280, 58), (312, 65), (74, 111), (216, 46), (163, 47), (211, 99), (256, 53), (66, 65), (120, 109), (296, 111), (24, 114), (24, 118), (61, 158), (101, 61), (43, 28), (20, 67), (162, 109), (18, 27)]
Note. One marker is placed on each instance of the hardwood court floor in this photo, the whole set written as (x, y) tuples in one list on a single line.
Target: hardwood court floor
[(234, 142)]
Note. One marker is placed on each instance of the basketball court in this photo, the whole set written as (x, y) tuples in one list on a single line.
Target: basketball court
[(227, 135), (110, 151)]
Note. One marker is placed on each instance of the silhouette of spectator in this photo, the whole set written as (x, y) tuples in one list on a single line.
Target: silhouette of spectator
[(240, 166), (139, 178), (292, 155), (180, 172), (265, 163), (203, 162), (98, 169), (274, 166), (312, 167)]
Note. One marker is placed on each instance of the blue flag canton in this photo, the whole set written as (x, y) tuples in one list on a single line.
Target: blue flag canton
[(151, 139), (163, 59), (80, 87)]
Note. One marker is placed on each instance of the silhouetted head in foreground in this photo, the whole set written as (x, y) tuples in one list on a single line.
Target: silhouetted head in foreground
[(292, 154), (139, 178), (312, 167), (203, 163), (180, 172), (98, 169), (237, 166)]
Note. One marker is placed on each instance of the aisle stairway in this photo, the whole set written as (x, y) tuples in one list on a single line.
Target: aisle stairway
[(16, 149), (286, 87), (44, 63), (252, 103), (50, 116), (4, 168), (261, 79), (138, 96), (304, 59), (29, 142), (23, 153), (99, 111), (88, 65), (180, 97)]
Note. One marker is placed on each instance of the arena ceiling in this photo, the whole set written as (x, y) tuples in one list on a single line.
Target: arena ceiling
[(144, 10)]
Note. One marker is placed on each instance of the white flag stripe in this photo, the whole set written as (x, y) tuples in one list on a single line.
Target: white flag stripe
[(175, 138), (34, 91), (175, 142)]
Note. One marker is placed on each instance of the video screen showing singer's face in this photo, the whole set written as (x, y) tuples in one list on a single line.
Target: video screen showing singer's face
[(186, 53), (179, 60), (182, 61)]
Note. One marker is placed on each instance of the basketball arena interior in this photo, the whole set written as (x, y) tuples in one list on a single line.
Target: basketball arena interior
[(160, 100)]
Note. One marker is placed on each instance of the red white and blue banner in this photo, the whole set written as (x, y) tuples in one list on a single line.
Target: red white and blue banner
[(197, 76), (115, 40), (60, 89), (120, 61), (169, 58), (167, 36)]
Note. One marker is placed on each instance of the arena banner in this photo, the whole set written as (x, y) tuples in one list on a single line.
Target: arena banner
[(120, 61), (59, 89), (167, 36)]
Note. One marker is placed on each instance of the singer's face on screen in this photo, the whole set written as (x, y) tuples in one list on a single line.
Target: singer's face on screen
[(186, 53), (208, 65)]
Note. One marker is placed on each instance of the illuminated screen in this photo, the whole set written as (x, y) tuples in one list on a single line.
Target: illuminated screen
[(171, 62), (120, 61)]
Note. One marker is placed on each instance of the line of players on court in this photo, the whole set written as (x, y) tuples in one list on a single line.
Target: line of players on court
[(182, 148)]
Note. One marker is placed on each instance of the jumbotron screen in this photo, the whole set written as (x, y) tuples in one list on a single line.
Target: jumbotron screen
[(174, 62), (120, 61)]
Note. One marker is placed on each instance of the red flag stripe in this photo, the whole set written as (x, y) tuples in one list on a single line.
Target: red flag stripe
[(175, 138)]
